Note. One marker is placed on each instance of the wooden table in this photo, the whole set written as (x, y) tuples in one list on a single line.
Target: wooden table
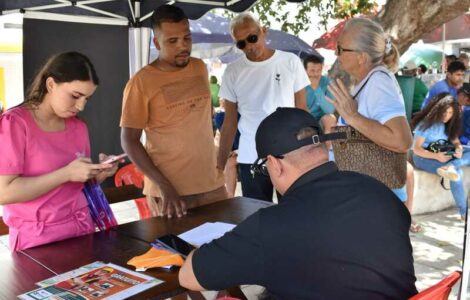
[(18, 274), (126, 241), (230, 211)]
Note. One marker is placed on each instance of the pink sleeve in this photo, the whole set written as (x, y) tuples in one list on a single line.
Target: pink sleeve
[(12, 144)]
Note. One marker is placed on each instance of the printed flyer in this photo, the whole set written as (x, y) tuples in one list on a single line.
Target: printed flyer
[(108, 281)]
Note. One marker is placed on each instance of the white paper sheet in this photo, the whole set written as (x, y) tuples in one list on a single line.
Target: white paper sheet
[(206, 232)]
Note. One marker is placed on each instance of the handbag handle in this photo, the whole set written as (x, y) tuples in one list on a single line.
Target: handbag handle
[(360, 89)]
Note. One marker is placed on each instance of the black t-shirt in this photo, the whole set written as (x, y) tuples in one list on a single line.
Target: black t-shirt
[(335, 235)]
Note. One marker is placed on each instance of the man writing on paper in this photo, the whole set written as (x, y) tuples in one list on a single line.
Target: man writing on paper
[(335, 235), (170, 99)]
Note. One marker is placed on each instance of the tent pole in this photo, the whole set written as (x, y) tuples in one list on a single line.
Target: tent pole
[(135, 42), (146, 16), (94, 1), (444, 47), (131, 10), (34, 8), (99, 11), (77, 19)]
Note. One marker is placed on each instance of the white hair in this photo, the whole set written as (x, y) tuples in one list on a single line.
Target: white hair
[(242, 18), (369, 37)]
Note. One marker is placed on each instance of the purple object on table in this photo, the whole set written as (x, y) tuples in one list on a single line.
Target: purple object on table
[(100, 210)]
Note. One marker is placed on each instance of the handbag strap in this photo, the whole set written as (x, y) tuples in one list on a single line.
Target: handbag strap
[(341, 120), (360, 89)]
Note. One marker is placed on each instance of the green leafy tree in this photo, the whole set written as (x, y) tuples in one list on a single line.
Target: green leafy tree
[(405, 20), (299, 19)]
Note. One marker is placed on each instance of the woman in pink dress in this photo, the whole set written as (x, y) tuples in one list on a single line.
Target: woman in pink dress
[(45, 156)]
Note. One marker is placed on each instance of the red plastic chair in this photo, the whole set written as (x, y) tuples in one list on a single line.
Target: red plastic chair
[(127, 175), (441, 290)]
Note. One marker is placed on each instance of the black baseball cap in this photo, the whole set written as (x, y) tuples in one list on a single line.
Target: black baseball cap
[(465, 89), (278, 133)]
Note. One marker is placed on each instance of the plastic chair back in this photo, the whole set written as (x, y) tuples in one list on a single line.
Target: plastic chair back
[(439, 291), (3, 227), (127, 175)]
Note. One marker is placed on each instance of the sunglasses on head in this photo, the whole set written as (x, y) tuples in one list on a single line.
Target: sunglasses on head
[(252, 38), (340, 50), (259, 166)]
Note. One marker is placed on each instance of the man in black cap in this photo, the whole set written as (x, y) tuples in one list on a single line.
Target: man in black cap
[(463, 97), (334, 235)]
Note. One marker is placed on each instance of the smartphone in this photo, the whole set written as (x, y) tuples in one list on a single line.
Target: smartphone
[(176, 244), (114, 158)]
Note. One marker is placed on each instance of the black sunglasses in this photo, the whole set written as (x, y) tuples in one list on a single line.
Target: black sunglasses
[(259, 166), (340, 50), (252, 38)]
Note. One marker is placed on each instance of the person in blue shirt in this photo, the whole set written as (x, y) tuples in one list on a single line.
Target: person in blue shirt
[(441, 120), (454, 79), (315, 93), (463, 98)]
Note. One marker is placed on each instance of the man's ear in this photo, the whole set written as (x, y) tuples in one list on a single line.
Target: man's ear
[(264, 30), (275, 166), (156, 43)]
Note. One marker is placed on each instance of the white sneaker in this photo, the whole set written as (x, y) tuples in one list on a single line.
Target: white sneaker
[(448, 173)]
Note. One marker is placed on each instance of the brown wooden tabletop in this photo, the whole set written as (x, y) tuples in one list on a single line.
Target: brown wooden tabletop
[(128, 240), (231, 211), (18, 274)]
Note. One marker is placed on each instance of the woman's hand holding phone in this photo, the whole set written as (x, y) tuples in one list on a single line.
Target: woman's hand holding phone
[(111, 158), (82, 169), (109, 165)]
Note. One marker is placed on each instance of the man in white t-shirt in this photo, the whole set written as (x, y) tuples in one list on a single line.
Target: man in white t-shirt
[(254, 86)]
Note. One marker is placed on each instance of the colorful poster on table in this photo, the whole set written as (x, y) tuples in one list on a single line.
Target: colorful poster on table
[(108, 281)]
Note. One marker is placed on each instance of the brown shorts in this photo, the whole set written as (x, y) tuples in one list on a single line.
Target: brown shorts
[(156, 203)]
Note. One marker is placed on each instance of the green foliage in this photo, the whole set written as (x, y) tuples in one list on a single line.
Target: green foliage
[(295, 18)]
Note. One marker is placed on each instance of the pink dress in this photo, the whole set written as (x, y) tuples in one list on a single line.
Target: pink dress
[(26, 150)]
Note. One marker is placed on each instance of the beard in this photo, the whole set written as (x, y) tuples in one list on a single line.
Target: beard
[(181, 63)]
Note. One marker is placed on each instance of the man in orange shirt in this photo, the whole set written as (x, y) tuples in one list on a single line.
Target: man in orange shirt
[(170, 100)]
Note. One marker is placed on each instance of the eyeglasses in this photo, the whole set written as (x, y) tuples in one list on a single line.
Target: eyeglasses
[(340, 50), (252, 39), (259, 166)]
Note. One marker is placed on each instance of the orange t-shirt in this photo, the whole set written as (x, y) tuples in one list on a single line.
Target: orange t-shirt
[(174, 110)]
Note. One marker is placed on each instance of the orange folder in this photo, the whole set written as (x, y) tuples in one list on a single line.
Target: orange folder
[(155, 258)]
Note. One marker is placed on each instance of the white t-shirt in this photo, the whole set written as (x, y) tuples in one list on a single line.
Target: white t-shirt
[(381, 98), (259, 88)]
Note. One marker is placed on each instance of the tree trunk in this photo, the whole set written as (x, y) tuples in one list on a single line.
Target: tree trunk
[(407, 20)]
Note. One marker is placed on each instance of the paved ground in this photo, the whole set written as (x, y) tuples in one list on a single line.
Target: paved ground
[(437, 250)]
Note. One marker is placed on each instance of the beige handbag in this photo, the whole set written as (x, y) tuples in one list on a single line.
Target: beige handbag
[(359, 154)]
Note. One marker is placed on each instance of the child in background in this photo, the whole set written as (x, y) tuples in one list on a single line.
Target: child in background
[(45, 156), (441, 120)]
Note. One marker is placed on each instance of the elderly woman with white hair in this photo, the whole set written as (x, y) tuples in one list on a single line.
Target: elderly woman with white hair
[(376, 107)]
